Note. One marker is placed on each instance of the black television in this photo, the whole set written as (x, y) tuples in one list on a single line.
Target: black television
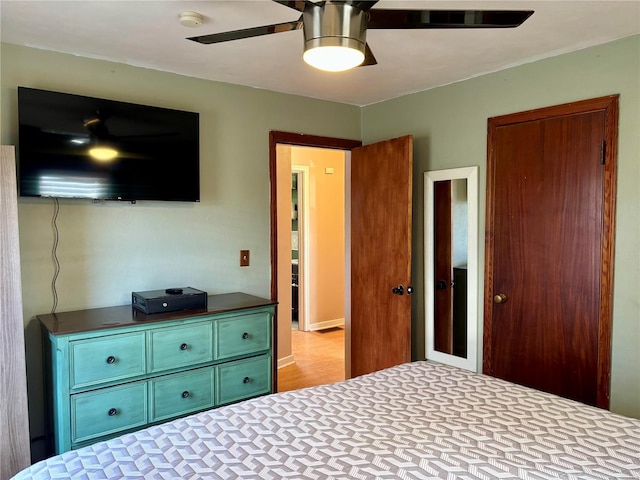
[(73, 146)]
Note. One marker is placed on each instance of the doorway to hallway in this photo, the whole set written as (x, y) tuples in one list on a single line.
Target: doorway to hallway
[(311, 248)]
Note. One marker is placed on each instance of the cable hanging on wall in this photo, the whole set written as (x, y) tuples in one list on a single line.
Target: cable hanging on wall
[(54, 254)]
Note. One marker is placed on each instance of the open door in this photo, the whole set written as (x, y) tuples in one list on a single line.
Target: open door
[(378, 332), (381, 201)]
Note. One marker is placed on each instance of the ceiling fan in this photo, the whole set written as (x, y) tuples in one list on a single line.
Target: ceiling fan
[(335, 30)]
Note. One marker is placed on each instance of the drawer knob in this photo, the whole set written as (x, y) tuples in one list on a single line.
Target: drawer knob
[(245, 335), (184, 346), (185, 394), (111, 359), (246, 380), (112, 412)]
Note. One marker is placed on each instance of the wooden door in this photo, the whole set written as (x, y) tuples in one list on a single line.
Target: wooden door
[(443, 270), (381, 194), (549, 248)]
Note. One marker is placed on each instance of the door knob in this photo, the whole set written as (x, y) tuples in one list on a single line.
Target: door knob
[(441, 285), (399, 290), (500, 298)]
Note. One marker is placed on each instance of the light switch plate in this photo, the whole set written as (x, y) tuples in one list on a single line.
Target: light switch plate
[(244, 258)]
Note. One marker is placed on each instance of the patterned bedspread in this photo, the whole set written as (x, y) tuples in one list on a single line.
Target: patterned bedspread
[(415, 421)]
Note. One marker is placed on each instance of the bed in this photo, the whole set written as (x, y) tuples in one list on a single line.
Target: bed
[(418, 420)]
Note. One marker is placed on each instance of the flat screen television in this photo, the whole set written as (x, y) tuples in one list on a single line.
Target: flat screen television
[(74, 146)]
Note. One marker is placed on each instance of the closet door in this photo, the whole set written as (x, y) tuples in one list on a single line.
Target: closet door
[(549, 254), (14, 421)]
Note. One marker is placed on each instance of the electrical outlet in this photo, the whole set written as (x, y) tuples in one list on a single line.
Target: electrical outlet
[(244, 258)]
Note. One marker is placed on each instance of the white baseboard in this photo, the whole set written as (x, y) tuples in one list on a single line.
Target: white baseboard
[(285, 361), (338, 322)]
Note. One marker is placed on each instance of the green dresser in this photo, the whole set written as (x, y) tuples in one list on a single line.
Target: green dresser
[(114, 370)]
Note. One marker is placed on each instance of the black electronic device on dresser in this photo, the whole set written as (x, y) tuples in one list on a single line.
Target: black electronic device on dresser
[(169, 300)]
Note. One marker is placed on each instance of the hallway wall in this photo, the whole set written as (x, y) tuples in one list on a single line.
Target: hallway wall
[(326, 234)]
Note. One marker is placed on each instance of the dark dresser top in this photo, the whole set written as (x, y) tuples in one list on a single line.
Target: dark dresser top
[(125, 315)]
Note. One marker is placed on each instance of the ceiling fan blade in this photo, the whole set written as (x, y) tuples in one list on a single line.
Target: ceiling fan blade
[(408, 19), (295, 4), (248, 32), (369, 58)]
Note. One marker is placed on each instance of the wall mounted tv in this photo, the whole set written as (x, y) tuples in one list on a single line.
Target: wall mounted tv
[(82, 147)]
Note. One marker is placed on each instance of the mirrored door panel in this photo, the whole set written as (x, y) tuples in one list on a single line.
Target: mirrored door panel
[(451, 257)]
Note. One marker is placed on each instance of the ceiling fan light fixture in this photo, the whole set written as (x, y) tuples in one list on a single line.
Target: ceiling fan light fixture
[(334, 36), (331, 56)]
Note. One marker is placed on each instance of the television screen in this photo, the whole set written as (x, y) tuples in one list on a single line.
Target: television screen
[(82, 147)]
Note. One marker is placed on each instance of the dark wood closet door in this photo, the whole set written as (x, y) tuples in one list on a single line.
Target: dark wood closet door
[(548, 252)]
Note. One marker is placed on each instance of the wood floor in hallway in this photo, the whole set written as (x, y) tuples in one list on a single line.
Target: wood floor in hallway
[(319, 358)]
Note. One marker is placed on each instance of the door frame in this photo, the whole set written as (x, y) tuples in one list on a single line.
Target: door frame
[(299, 140), (608, 104)]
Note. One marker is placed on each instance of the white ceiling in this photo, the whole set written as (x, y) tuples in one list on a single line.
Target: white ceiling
[(148, 34)]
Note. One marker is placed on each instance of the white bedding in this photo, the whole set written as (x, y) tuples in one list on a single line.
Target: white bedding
[(415, 421)]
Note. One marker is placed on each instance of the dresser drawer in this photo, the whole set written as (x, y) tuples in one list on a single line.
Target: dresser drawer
[(242, 335), (181, 393), (105, 359), (107, 411), (243, 379), (179, 346)]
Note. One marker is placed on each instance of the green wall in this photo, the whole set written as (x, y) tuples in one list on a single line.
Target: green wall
[(449, 125), (108, 250)]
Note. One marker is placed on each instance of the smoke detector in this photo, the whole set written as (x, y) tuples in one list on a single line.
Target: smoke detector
[(191, 19)]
